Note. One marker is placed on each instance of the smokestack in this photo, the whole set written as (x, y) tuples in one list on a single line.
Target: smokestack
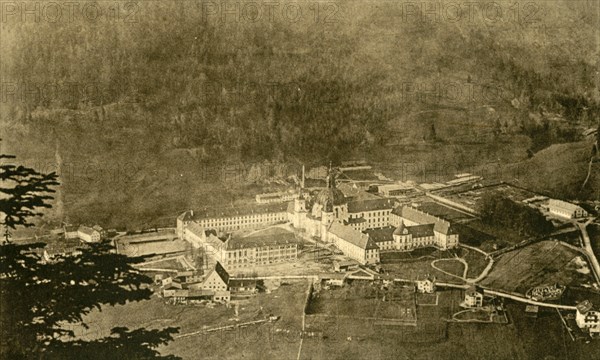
[(302, 183), (192, 212)]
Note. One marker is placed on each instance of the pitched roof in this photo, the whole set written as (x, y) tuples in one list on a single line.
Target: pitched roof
[(381, 234), (563, 205), (349, 262), (281, 238), (352, 236), (397, 210), (195, 229), (71, 228), (223, 274), (216, 213), (393, 187), (474, 291), (361, 274), (584, 306), (213, 235), (420, 217), (371, 205), (86, 230), (60, 246), (419, 231)]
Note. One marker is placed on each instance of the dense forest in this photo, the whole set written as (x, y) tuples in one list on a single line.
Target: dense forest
[(339, 79), (498, 210)]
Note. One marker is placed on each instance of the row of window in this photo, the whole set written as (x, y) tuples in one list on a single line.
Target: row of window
[(234, 264), (262, 252), (370, 214), (244, 219)]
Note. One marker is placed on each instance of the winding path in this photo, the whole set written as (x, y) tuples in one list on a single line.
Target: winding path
[(483, 274), (462, 261), (480, 277)]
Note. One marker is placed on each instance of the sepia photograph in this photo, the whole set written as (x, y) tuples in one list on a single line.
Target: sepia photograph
[(300, 179)]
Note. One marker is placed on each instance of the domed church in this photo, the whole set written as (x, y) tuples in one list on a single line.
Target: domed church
[(336, 219), (331, 200)]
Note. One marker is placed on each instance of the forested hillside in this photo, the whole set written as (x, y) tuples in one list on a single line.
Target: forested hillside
[(178, 84)]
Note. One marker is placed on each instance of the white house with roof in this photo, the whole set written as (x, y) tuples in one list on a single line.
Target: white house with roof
[(426, 286), (588, 319), (234, 218), (416, 228), (277, 197), (397, 190), (473, 297), (71, 232), (194, 234), (353, 243), (88, 234), (216, 282), (565, 209)]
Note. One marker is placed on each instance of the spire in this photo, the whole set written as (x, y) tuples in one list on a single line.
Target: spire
[(330, 177)]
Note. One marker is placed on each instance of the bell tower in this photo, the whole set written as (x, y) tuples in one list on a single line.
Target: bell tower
[(327, 217)]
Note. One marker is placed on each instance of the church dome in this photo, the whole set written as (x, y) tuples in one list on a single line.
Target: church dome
[(400, 229), (329, 198)]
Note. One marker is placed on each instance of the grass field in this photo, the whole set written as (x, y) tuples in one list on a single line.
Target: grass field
[(365, 301), (523, 338), (419, 269), (545, 262), (473, 314), (544, 337), (432, 338), (477, 263), (348, 338), (451, 266), (252, 342), (393, 256), (417, 264)]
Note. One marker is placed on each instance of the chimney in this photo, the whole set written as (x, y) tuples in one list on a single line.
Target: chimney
[(192, 212), (302, 183)]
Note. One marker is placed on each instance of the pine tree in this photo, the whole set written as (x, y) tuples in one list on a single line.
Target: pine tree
[(37, 298), (25, 191)]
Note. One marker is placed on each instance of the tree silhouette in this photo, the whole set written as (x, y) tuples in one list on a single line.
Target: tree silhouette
[(25, 190), (39, 297), (496, 209)]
